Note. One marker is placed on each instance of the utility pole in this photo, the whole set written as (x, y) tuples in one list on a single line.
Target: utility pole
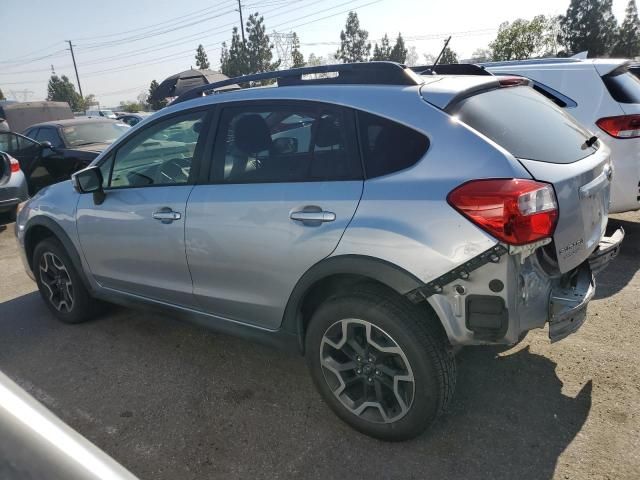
[(73, 57), (241, 21)]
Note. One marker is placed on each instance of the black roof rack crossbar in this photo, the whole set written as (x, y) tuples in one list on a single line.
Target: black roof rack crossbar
[(371, 73), (451, 69)]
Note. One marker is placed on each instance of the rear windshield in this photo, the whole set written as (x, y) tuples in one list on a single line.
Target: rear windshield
[(526, 124), (623, 86)]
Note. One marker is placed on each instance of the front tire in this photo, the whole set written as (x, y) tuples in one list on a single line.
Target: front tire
[(381, 363), (60, 285)]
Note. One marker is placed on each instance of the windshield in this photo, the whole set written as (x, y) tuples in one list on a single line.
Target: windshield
[(526, 124), (87, 133)]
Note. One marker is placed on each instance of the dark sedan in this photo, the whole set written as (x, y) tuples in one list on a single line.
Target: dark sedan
[(50, 152)]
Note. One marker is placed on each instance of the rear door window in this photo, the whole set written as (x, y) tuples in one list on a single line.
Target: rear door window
[(623, 86), (388, 146), (526, 124)]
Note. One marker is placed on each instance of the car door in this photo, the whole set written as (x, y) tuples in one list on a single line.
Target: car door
[(28, 152), (286, 181), (134, 240)]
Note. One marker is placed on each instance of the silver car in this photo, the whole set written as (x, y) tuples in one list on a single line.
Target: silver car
[(369, 218), (13, 186)]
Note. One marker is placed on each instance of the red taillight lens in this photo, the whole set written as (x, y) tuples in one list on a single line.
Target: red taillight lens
[(622, 126), (15, 166), (514, 211)]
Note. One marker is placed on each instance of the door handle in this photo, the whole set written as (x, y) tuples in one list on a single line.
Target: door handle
[(166, 215), (311, 217)]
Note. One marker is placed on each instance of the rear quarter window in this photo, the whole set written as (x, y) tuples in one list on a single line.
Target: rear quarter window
[(623, 86), (526, 124), (388, 146)]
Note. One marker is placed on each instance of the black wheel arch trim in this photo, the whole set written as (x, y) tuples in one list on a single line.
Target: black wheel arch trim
[(62, 237), (385, 272)]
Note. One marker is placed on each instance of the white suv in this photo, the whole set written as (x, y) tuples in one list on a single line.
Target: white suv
[(605, 97)]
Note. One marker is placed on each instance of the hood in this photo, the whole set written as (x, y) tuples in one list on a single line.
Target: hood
[(92, 147)]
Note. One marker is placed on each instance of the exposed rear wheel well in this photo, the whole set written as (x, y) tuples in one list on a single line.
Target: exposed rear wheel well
[(340, 284), (34, 236)]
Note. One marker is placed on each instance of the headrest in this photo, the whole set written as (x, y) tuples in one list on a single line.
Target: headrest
[(251, 134), (328, 132)]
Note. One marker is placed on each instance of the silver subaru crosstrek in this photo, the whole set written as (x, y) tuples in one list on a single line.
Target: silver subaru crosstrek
[(368, 217)]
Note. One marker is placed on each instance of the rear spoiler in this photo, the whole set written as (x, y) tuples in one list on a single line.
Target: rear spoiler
[(451, 69)]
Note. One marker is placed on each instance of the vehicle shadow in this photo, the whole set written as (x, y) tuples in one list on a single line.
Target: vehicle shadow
[(169, 399), (622, 269)]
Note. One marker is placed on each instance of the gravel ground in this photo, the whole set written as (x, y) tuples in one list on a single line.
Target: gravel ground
[(171, 400)]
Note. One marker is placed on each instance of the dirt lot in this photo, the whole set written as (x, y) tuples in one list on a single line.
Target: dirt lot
[(174, 401)]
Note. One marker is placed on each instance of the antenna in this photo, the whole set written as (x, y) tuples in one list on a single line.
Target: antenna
[(446, 44)]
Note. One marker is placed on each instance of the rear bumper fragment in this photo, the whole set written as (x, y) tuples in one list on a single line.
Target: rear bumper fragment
[(607, 250)]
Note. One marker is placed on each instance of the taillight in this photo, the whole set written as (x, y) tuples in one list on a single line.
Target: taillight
[(15, 166), (515, 211), (622, 126)]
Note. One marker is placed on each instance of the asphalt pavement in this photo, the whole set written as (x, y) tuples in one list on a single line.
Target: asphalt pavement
[(171, 400)]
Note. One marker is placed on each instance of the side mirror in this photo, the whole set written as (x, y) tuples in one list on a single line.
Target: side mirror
[(46, 145), (284, 145), (89, 180)]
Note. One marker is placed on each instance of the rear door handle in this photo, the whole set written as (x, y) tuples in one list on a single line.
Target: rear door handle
[(166, 215), (313, 217)]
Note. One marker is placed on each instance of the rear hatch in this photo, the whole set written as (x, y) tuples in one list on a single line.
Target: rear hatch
[(555, 149)]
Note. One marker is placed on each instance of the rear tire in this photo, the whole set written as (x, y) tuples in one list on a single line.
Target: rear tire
[(371, 346), (60, 285)]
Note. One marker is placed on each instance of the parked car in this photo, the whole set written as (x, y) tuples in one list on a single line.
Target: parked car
[(13, 185), (605, 97), (101, 113), (34, 443), (374, 221), (50, 152), (132, 119), (20, 115)]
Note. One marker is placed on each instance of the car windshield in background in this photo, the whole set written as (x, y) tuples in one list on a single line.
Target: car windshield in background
[(623, 86), (87, 133), (525, 123)]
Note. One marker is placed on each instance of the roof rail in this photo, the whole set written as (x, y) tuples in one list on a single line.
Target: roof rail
[(531, 61), (451, 69), (369, 73)]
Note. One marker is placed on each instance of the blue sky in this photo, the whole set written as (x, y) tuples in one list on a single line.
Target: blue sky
[(121, 45)]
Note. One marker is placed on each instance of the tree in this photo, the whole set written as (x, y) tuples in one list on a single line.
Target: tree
[(399, 51), (589, 25), (521, 39), (480, 55), (142, 99), (353, 41), (131, 107), (428, 58), (448, 56), (155, 104), (412, 57), (628, 44), (202, 62), (382, 52), (259, 49), (296, 55), (1, 95), (234, 61), (60, 89)]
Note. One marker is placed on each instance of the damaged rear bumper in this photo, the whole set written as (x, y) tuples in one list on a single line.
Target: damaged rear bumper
[(568, 305)]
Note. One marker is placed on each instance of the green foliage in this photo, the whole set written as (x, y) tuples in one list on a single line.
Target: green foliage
[(412, 57), (132, 107), (589, 25), (155, 104), (296, 55), (382, 52), (202, 62), (523, 39), (399, 51), (2, 95), (259, 54), (233, 60), (628, 44), (60, 89), (448, 56), (353, 41), (481, 55)]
